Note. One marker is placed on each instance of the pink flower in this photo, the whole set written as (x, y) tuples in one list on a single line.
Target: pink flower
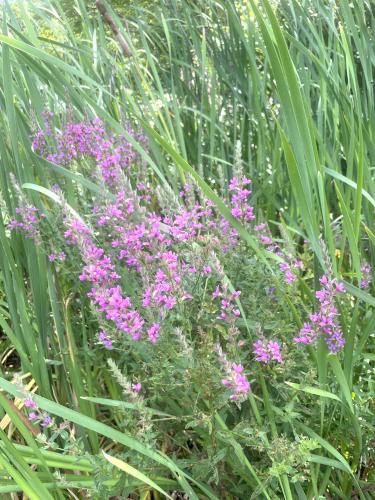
[(240, 207), (235, 380), (323, 322), (289, 266), (47, 421), (153, 332), (29, 223), (137, 387), (29, 403), (266, 351), (366, 275), (105, 339)]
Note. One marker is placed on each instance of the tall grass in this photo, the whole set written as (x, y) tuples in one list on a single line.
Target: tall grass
[(288, 83)]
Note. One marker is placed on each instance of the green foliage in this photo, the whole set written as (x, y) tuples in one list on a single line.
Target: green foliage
[(280, 90)]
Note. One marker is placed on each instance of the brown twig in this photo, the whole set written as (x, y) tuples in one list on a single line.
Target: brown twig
[(111, 23), (34, 431)]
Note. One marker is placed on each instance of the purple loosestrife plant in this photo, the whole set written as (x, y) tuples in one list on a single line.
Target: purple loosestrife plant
[(28, 222), (160, 248), (289, 266), (235, 379), (51, 434), (228, 309), (325, 322), (112, 154), (152, 268), (366, 272), (28, 218), (267, 350), (35, 415), (106, 295), (50, 431), (105, 339), (240, 194)]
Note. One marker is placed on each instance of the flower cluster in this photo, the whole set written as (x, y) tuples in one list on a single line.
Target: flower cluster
[(165, 290), (35, 415), (289, 265), (228, 309), (267, 350), (168, 251), (105, 339), (237, 382), (153, 332), (105, 294), (87, 140), (60, 257), (325, 321), (366, 272), (28, 222), (189, 221), (240, 207), (235, 379)]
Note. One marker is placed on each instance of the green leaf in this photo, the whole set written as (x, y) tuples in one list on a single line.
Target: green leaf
[(128, 469), (313, 390), (104, 430)]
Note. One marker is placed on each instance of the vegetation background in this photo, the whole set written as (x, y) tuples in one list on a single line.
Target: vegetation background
[(283, 88)]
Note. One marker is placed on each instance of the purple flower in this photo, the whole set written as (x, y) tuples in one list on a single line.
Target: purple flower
[(137, 387), (28, 224), (153, 332), (165, 288), (307, 334), (104, 294), (77, 232), (47, 421), (228, 310), (366, 275), (266, 351), (61, 256), (240, 207), (29, 403), (236, 382), (289, 266), (111, 154), (324, 322), (105, 339)]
